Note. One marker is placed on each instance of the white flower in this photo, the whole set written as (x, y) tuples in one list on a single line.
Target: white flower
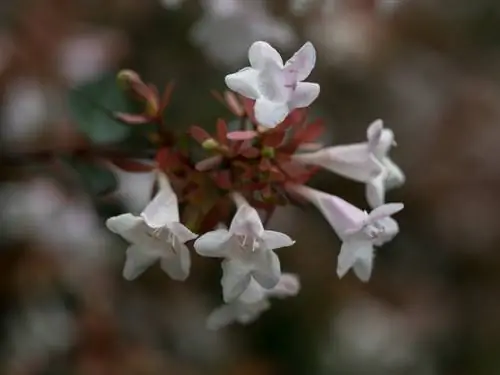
[(155, 235), (358, 230), (366, 162), (248, 251), (245, 312), (380, 141), (277, 88)]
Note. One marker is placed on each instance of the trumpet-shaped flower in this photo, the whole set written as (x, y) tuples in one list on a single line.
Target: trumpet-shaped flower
[(248, 251), (366, 162), (277, 88), (155, 235), (247, 311), (358, 230)]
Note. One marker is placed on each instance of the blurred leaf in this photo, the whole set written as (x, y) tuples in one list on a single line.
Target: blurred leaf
[(96, 178), (92, 107)]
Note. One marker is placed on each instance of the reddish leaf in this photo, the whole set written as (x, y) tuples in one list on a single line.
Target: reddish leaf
[(241, 135), (217, 95), (130, 165), (310, 132), (219, 213), (223, 179), (233, 104), (275, 175), (273, 138), (209, 163), (248, 105), (247, 172), (199, 134), (265, 164), (222, 131), (167, 95), (250, 153), (132, 119)]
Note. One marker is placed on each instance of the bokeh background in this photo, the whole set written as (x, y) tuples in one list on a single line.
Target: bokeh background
[(429, 68)]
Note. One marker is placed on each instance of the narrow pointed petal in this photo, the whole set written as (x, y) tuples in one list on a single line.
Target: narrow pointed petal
[(244, 82), (301, 64), (182, 233), (177, 265), (162, 209), (213, 244), (384, 211), (385, 143), (348, 255), (353, 162), (374, 134), (261, 53), (395, 176), (289, 285), (363, 265), (221, 317), (274, 240), (137, 261), (130, 227), (269, 113), (235, 279), (391, 229), (375, 191), (247, 222), (267, 270), (304, 94)]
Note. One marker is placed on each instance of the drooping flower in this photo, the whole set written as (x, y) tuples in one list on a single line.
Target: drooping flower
[(155, 235), (380, 141), (366, 162), (358, 230), (277, 88), (247, 249), (246, 311)]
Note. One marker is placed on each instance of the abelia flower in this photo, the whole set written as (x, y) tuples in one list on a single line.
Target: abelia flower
[(277, 88), (246, 311), (380, 141), (155, 235), (247, 249), (359, 231)]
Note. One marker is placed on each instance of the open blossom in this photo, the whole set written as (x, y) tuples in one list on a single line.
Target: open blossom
[(359, 231), (277, 88), (366, 162), (155, 235), (247, 311), (248, 251)]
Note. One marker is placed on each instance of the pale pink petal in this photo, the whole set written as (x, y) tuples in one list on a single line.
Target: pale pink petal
[(261, 53), (177, 263), (304, 94), (137, 261), (272, 84), (289, 285), (244, 82), (267, 270), (162, 209), (301, 64), (213, 244), (241, 135), (384, 211), (341, 215), (363, 265), (182, 233), (274, 240), (375, 190), (246, 222), (374, 134), (349, 254), (269, 113), (253, 293), (235, 279)]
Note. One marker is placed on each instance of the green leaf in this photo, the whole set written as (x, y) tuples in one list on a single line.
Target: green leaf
[(92, 106), (95, 178)]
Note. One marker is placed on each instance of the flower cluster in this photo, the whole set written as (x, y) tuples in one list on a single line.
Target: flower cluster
[(210, 204)]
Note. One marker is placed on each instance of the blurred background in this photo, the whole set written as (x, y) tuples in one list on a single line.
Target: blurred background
[(429, 68)]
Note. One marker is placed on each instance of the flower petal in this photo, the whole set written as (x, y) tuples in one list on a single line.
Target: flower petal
[(235, 279), (349, 254), (363, 265), (267, 269), (375, 191), (274, 240), (386, 210), (304, 94), (289, 285), (248, 313), (353, 162), (269, 113), (244, 82), (395, 176), (391, 229), (162, 209), (182, 233), (374, 134), (221, 317), (177, 264), (301, 64), (247, 222), (272, 84), (261, 53), (213, 244), (130, 227), (385, 143), (342, 216), (137, 261)]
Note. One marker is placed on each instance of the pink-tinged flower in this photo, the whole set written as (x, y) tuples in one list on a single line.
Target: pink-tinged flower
[(358, 230), (380, 141), (247, 249), (155, 235), (277, 88), (253, 302)]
